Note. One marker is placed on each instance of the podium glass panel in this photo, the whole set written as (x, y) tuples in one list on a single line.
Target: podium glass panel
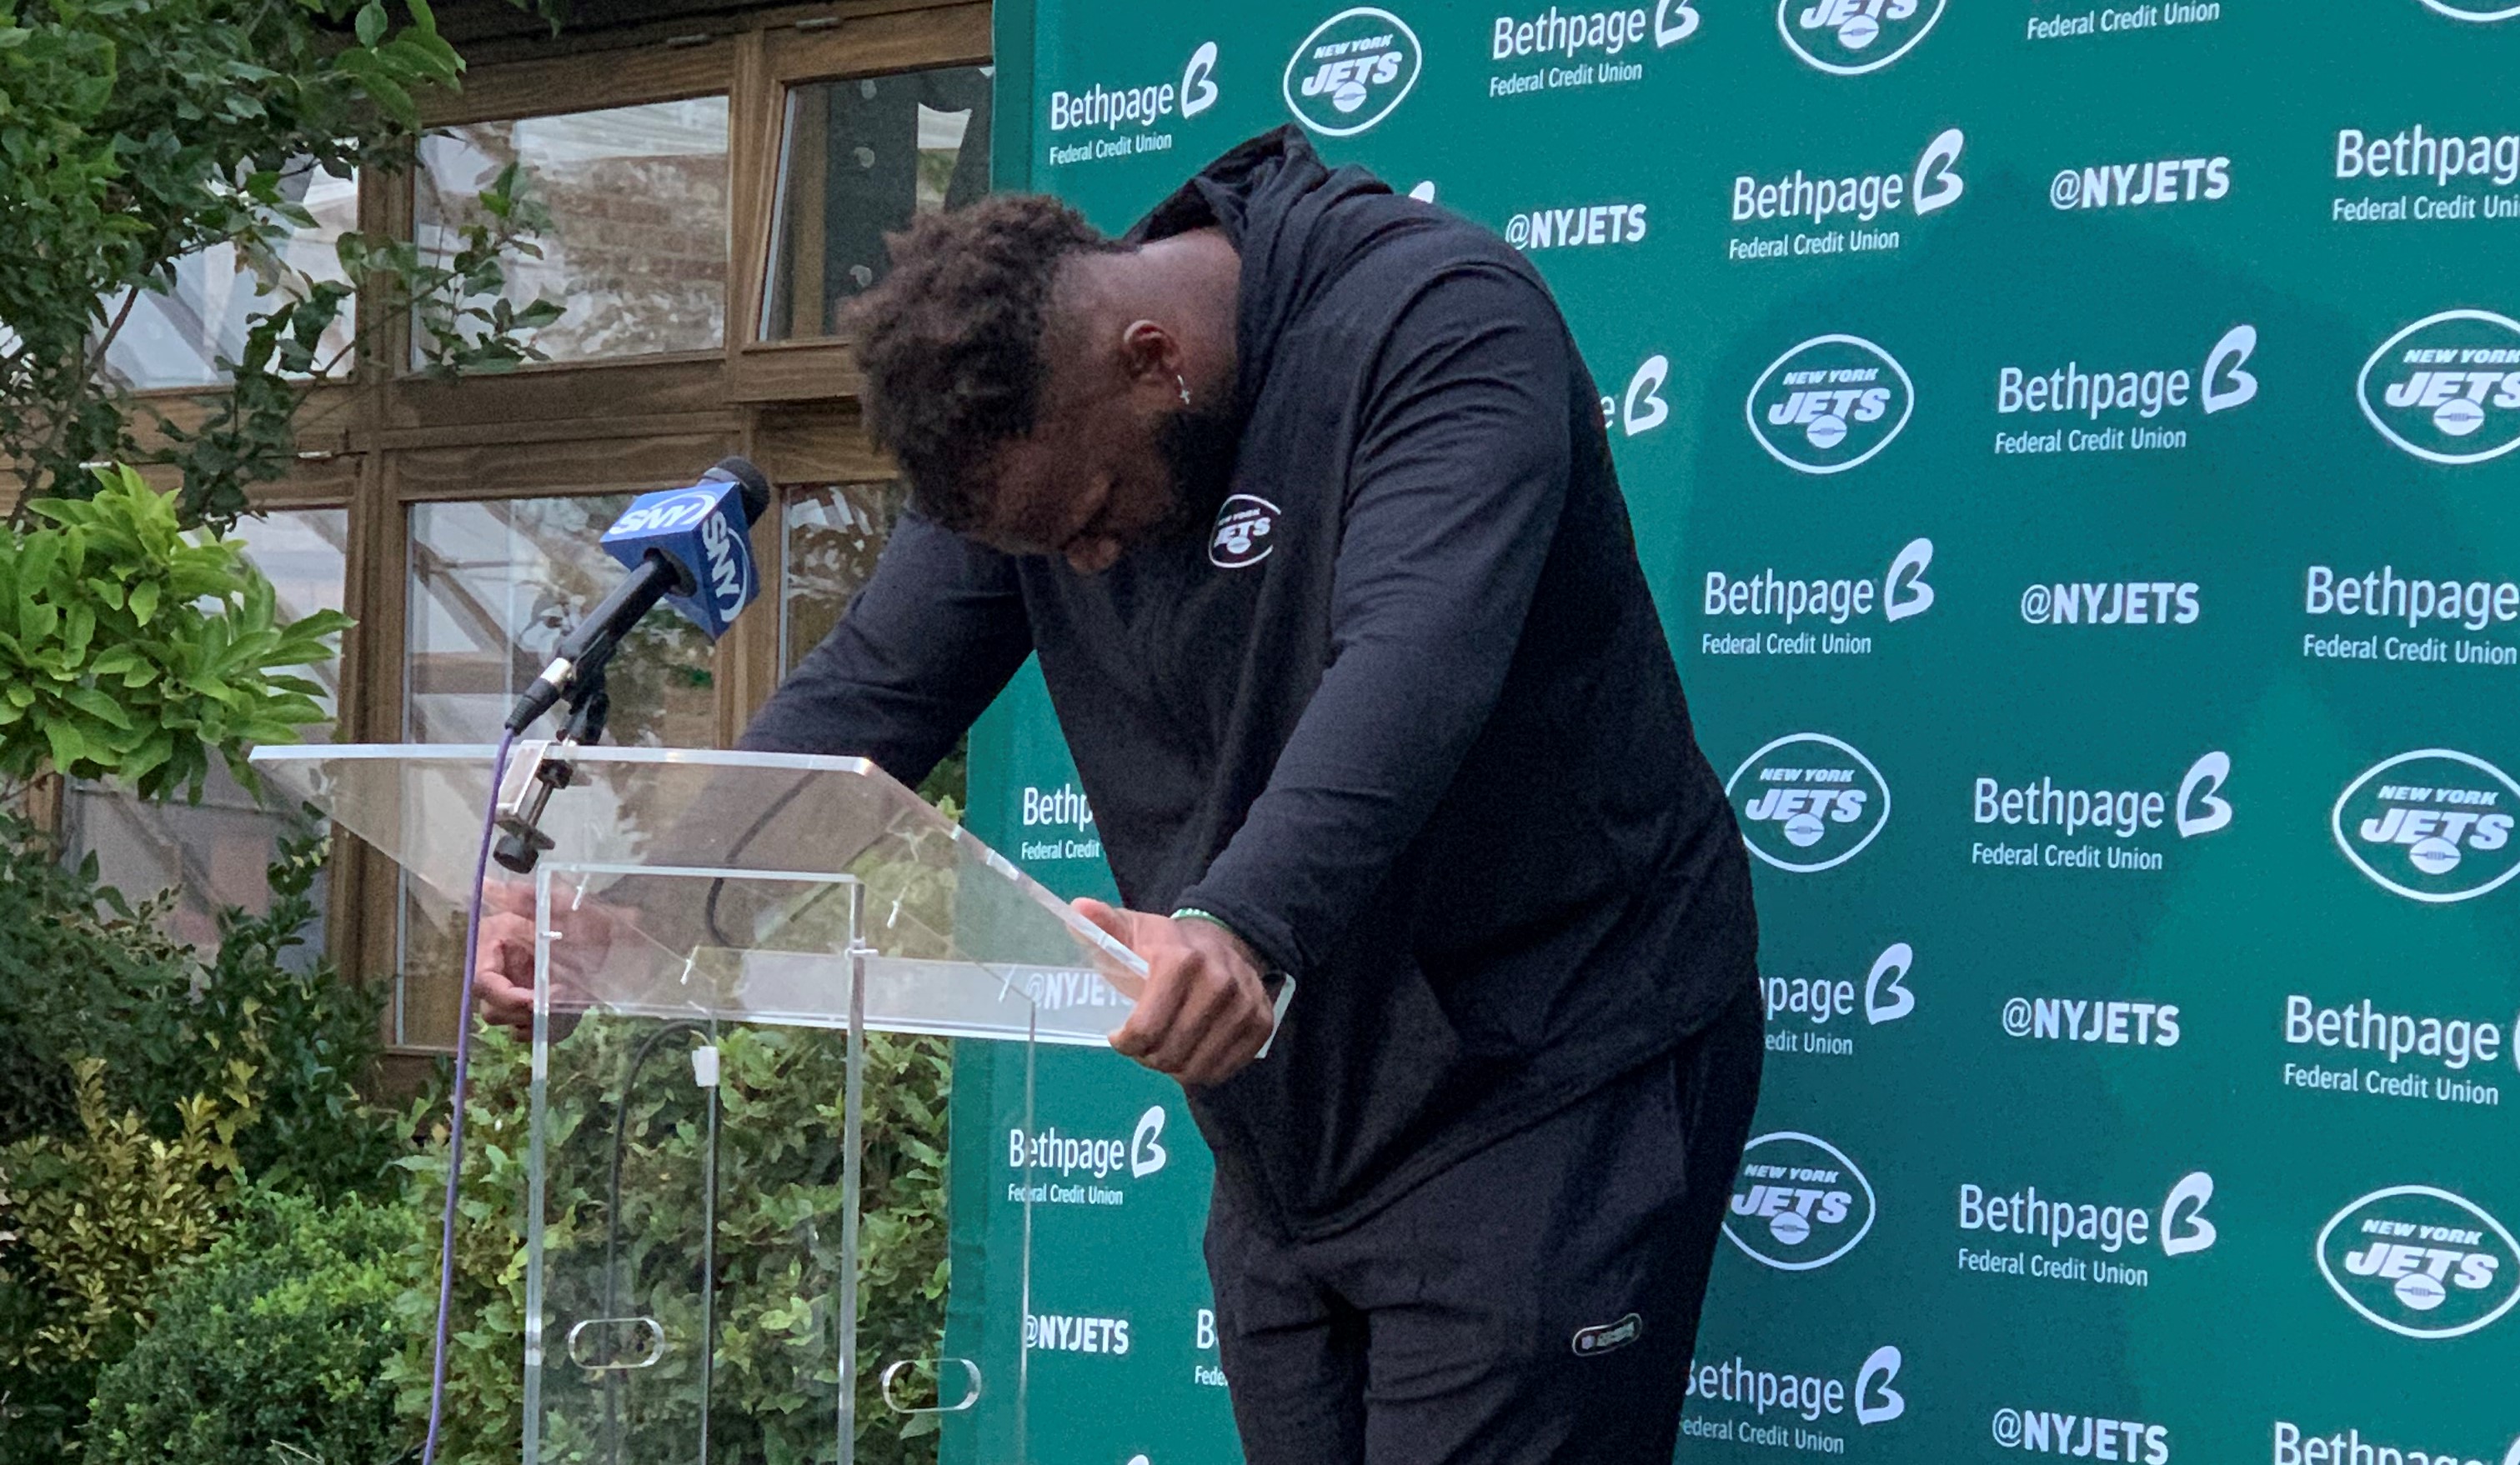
[(748, 969)]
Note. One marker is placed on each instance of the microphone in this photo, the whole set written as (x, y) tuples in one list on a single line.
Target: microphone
[(689, 547)]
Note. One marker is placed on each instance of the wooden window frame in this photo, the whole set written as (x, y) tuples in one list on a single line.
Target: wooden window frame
[(385, 438), (820, 368)]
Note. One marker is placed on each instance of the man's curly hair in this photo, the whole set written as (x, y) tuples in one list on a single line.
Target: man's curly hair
[(950, 342)]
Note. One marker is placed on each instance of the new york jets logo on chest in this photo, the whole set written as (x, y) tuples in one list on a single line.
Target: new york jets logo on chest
[(1245, 532)]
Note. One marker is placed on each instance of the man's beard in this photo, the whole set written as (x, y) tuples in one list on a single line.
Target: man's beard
[(1198, 446)]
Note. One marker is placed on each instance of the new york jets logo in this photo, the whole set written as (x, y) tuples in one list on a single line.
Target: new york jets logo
[(2421, 1261), (1850, 37), (2447, 389), (1352, 71), (1799, 1203), (1830, 404), (2477, 10), (2432, 825), (1808, 802), (1241, 537)]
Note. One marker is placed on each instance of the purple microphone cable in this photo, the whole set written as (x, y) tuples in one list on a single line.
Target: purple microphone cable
[(455, 1126)]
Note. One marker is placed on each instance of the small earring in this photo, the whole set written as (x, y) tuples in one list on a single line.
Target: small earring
[(1185, 388)]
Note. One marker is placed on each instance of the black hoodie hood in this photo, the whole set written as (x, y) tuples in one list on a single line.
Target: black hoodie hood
[(1279, 206)]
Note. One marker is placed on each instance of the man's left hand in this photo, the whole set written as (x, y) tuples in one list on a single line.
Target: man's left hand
[(1204, 1014)]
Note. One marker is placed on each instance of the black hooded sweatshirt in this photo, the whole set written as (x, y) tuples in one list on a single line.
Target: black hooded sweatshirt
[(1405, 719)]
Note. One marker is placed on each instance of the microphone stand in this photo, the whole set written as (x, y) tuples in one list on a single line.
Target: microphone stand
[(522, 841)]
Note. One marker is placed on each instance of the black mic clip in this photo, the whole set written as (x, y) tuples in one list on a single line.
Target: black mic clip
[(522, 841)]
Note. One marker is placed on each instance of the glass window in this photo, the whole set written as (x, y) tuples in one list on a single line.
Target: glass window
[(834, 533), (217, 853), (858, 157), (492, 586), (637, 247), (176, 338)]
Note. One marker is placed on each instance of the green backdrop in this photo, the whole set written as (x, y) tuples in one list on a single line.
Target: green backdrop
[(2072, 449)]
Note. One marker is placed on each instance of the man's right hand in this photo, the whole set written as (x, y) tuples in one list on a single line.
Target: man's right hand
[(503, 968), (503, 971)]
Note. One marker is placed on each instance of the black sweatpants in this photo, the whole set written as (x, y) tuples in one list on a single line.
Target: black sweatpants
[(1535, 1303)]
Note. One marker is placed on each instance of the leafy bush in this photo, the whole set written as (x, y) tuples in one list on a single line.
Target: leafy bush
[(132, 648), (91, 1223), (779, 1198), (84, 974), (316, 1036), (137, 1089), (271, 1348)]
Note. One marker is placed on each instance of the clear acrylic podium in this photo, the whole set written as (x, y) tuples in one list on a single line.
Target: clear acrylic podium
[(745, 969)]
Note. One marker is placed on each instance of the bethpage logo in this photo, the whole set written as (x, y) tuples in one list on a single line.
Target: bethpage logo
[(1068, 818), (1079, 1164), (1899, 594), (1130, 115), (2133, 185), (2047, 1225), (1830, 404), (2432, 825), (1352, 71), (2122, 411), (1598, 48), (2041, 1431), (2127, 818), (1804, 1014), (2110, 1021), (2447, 389), (2421, 1261), (2400, 1039), (1850, 37), (2384, 593), (1931, 186), (1642, 409), (1203, 1340), (1797, 1398), (2466, 169), (1808, 802), (2295, 1446), (1800, 1203)]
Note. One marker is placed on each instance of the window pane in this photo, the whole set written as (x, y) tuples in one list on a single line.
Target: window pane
[(217, 853), (637, 246), (834, 534), (858, 157), (492, 588), (175, 339)]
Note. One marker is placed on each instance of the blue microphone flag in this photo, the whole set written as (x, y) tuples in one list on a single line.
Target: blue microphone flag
[(703, 532)]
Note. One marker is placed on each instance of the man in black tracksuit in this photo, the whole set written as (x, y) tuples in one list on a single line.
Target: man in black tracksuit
[(1302, 494)]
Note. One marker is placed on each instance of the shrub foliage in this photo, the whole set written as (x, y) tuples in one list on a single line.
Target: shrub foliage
[(272, 1348)]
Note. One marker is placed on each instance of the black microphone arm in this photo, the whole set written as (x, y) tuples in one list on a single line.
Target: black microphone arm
[(582, 652)]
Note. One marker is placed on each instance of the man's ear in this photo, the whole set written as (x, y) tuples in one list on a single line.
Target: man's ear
[(1151, 354)]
